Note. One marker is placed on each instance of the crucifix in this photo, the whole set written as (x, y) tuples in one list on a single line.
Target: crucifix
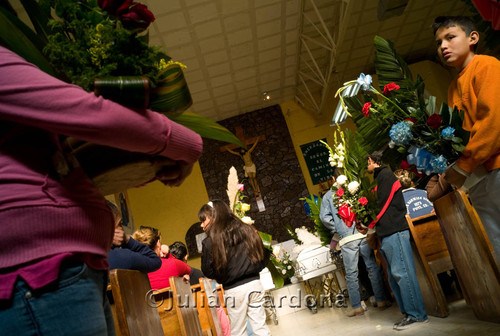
[(246, 156)]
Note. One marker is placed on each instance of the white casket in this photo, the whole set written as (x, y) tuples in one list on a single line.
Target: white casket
[(314, 261)]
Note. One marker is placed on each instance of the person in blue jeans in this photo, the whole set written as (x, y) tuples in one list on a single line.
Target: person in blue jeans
[(394, 234), (352, 244)]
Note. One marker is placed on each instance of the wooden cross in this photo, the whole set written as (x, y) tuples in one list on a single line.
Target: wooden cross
[(249, 166), (238, 130)]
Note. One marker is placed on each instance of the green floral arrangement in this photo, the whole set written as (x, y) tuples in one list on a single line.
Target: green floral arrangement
[(399, 117), (352, 190)]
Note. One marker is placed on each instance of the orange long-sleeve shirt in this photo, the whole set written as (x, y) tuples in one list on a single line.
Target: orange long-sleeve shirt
[(476, 91)]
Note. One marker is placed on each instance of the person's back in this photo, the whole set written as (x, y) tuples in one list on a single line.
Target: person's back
[(417, 203), (474, 91)]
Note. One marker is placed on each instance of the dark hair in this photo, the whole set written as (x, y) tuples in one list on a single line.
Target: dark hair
[(376, 157), (205, 212), (227, 231), (464, 22), (178, 250)]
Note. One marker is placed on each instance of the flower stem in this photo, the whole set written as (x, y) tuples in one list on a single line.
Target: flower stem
[(372, 89)]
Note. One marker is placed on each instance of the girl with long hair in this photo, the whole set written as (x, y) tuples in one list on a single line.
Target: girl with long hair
[(233, 254)]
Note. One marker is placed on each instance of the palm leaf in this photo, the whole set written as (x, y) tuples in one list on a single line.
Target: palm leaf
[(39, 18), (207, 128), (19, 38), (390, 67)]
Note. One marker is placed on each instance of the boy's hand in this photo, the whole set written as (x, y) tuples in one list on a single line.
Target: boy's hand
[(174, 175)]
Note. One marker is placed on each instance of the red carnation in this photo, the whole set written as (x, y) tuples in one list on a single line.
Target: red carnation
[(366, 109), (340, 192), (363, 201), (434, 121), (412, 120), (134, 15), (389, 87)]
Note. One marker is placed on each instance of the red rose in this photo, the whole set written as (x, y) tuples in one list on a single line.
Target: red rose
[(134, 15), (340, 192), (363, 201), (434, 121), (389, 87), (366, 109), (111, 6)]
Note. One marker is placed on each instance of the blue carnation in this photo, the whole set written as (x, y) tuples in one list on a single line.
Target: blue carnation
[(438, 164), (447, 133), (400, 133)]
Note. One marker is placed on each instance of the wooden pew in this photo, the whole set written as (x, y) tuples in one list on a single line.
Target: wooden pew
[(432, 258), (186, 310), (471, 254), (168, 310), (211, 299), (134, 312)]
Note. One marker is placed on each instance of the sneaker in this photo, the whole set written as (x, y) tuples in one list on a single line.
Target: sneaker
[(407, 323)]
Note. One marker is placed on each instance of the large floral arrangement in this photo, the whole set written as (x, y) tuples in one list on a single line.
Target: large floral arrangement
[(400, 117), (283, 263)]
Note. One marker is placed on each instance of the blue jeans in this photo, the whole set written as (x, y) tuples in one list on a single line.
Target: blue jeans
[(75, 304), (484, 198), (396, 249), (350, 255)]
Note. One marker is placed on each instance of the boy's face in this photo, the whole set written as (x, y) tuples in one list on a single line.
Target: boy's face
[(454, 47)]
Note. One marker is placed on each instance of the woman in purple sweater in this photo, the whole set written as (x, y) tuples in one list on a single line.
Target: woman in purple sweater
[(55, 226)]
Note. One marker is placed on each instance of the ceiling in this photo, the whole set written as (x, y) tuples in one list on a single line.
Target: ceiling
[(238, 52)]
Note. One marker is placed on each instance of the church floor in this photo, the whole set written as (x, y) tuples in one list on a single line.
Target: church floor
[(332, 321)]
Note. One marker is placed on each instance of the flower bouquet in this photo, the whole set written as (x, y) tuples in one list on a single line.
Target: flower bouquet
[(398, 116), (102, 46), (352, 191)]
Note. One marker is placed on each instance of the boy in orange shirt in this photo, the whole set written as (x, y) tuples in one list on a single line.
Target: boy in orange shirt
[(476, 91)]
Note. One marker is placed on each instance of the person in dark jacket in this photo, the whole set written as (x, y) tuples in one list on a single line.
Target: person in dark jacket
[(179, 251), (128, 253), (394, 234), (233, 254)]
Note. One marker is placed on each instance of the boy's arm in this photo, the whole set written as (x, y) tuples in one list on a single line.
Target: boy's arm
[(484, 139)]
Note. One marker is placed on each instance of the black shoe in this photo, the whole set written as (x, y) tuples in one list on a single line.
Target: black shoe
[(407, 323)]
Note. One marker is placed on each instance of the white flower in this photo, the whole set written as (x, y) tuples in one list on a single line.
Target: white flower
[(335, 157), (289, 267), (353, 187), (340, 147), (247, 220), (283, 271), (340, 164), (391, 144), (341, 180), (332, 163), (277, 250)]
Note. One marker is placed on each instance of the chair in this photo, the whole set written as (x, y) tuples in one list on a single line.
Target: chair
[(470, 252), (135, 313), (211, 300), (186, 310), (432, 258)]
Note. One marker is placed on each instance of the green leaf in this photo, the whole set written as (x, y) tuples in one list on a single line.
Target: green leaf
[(458, 148), (445, 114), (207, 128), (38, 17), (431, 105), (389, 65), (266, 239), (456, 140), (278, 279)]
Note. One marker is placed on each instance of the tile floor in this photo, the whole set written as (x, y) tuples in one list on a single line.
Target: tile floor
[(332, 321)]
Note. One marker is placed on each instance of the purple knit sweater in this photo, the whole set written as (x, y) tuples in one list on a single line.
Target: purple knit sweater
[(41, 215)]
